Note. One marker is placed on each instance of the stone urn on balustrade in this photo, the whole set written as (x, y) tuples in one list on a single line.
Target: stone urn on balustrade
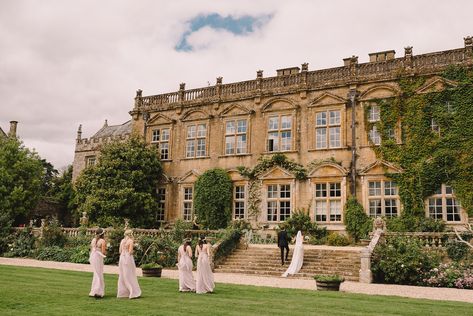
[(328, 282)]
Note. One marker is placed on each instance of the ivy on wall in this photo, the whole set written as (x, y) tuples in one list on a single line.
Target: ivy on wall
[(429, 156)]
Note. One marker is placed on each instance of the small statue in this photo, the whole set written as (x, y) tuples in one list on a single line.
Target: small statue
[(84, 220), (379, 223)]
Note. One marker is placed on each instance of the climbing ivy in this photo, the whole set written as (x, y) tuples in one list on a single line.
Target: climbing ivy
[(429, 157)]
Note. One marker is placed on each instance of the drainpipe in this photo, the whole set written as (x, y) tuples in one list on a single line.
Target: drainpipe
[(352, 97)]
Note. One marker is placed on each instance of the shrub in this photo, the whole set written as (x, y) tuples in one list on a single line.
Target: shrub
[(53, 235), (411, 223), (53, 253), (336, 239), (300, 220), (402, 260), (113, 239), (357, 223), (21, 244), (228, 242), (79, 254), (456, 250), (450, 275), (213, 198)]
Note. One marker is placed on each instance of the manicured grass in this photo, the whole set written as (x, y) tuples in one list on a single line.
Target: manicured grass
[(35, 291)]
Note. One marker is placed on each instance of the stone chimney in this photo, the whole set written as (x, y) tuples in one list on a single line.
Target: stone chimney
[(382, 56), (79, 133), (12, 132)]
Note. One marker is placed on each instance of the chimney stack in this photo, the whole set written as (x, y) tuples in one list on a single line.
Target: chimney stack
[(13, 125)]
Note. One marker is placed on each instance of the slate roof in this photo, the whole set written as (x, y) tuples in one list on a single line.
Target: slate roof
[(114, 130)]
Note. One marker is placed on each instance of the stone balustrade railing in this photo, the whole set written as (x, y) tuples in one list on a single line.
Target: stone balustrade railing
[(388, 69)]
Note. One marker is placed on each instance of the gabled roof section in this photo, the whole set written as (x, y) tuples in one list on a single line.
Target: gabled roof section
[(277, 172), (114, 130), (159, 119), (278, 104), (436, 84), (189, 177), (2, 133), (327, 98), (380, 167), (194, 115), (234, 110), (381, 91), (328, 169)]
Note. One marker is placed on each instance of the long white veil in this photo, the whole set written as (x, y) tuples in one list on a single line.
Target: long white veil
[(297, 257)]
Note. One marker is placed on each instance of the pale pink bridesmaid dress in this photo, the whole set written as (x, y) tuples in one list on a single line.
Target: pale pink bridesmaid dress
[(127, 281), (205, 277), (186, 279), (96, 261)]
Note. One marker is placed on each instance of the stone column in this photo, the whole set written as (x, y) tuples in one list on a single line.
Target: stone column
[(366, 275), (468, 47)]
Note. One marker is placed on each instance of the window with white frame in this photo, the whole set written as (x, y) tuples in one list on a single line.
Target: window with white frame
[(187, 204), (434, 126), (443, 205), (160, 137), (375, 136), (328, 129), (239, 202), (90, 161), (280, 133), (383, 198), (161, 204), (328, 202), (374, 114), (196, 140), (278, 202), (235, 137)]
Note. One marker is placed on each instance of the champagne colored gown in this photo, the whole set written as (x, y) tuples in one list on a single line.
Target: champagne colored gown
[(205, 277), (186, 279), (96, 261), (127, 281)]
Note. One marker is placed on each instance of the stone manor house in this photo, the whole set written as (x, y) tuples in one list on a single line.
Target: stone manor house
[(315, 118)]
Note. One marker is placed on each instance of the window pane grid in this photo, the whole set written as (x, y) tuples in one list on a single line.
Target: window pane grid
[(328, 203), (383, 199), (161, 204), (235, 137), (278, 204), (442, 205), (196, 143), (239, 202), (160, 137), (187, 204), (279, 133), (330, 127)]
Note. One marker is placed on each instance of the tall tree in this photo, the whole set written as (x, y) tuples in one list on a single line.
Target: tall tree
[(21, 177), (121, 185)]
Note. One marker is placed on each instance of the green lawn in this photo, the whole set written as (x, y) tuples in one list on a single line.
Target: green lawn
[(35, 291)]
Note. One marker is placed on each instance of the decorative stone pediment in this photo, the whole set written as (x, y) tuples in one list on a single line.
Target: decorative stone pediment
[(189, 177), (160, 119), (234, 110), (279, 104), (436, 84), (165, 179), (194, 115), (327, 98), (383, 91), (235, 175), (328, 169), (380, 167), (276, 173)]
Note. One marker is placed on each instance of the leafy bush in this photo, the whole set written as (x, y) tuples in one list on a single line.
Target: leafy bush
[(21, 244), (300, 220), (228, 242), (357, 223), (79, 254), (411, 223), (456, 250), (213, 198), (450, 275), (240, 224), (329, 278), (336, 239), (402, 260), (52, 235), (113, 239), (53, 253)]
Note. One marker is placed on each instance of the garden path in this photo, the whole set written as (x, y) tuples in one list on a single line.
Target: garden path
[(431, 293)]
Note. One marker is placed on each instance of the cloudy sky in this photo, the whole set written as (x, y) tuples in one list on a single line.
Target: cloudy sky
[(65, 63)]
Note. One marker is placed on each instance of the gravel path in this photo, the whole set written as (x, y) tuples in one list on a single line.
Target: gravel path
[(233, 278)]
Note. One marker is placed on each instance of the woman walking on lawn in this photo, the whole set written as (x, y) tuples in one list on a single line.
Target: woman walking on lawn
[(205, 277), (184, 264), (127, 281), (97, 253)]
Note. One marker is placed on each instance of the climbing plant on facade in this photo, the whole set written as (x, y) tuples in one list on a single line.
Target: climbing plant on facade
[(437, 139)]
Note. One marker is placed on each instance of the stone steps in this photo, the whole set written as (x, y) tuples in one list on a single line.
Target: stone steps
[(266, 261)]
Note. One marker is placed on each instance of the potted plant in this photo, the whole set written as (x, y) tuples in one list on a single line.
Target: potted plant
[(152, 270), (328, 282)]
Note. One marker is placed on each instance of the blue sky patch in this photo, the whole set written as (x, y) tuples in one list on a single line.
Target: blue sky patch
[(239, 26)]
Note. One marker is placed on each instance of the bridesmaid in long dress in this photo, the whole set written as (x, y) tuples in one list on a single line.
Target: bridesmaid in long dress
[(97, 253), (127, 281), (184, 264), (205, 277)]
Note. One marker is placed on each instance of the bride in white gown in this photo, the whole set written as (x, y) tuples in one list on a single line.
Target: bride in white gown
[(297, 257)]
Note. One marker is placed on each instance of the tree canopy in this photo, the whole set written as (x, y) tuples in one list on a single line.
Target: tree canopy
[(121, 185)]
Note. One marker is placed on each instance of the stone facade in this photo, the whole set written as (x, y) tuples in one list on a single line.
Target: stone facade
[(12, 131), (315, 118)]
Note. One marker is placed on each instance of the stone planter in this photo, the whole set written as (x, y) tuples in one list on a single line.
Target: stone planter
[(328, 285), (152, 272)]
